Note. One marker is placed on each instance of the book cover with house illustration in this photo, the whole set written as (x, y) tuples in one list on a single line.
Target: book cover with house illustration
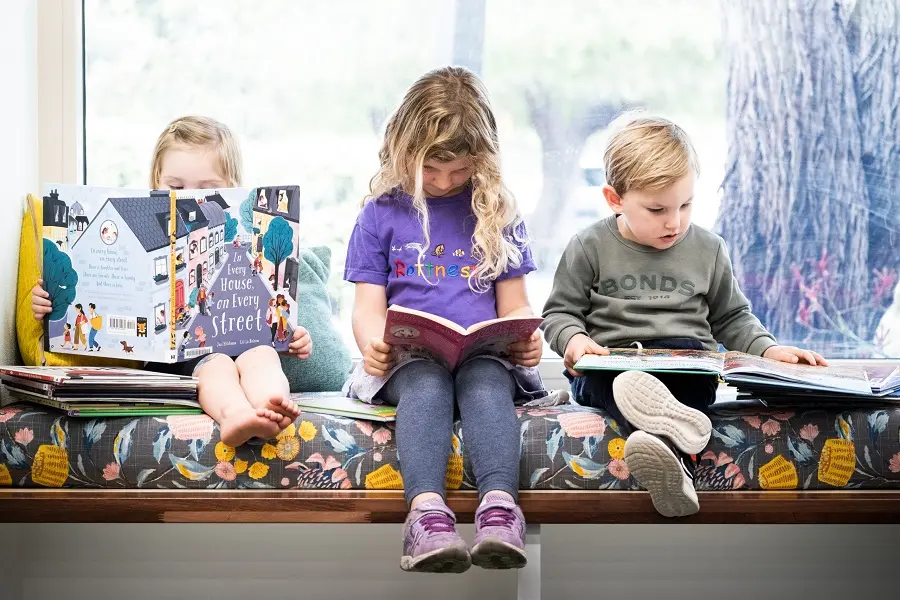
[(146, 275)]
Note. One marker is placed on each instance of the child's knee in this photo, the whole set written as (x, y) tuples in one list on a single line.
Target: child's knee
[(260, 355), (214, 365)]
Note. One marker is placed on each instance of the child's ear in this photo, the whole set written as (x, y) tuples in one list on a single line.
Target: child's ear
[(612, 199)]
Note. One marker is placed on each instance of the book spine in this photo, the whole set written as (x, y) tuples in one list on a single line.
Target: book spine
[(172, 357)]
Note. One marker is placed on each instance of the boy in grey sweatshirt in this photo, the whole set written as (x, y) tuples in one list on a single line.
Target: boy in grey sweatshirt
[(647, 275)]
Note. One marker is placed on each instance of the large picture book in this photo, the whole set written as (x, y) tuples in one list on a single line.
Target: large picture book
[(167, 276), (443, 340), (867, 378)]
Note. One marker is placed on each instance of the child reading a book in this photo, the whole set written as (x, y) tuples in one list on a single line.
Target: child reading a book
[(647, 275), (248, 396), (439, 187)]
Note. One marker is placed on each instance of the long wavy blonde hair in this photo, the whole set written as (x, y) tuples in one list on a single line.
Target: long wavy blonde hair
[(444, 116)]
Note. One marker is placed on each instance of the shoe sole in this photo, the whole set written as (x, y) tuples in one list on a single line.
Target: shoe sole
[(658, 470), (494, 553), (647, 404), (451, 559)]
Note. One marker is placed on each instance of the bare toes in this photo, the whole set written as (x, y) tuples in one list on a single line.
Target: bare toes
[(285, 422)]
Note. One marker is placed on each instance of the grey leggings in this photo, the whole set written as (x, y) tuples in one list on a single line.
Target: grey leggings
[(424, 394)]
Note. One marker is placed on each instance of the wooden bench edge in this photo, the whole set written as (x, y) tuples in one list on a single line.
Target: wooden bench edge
[(326, 506)]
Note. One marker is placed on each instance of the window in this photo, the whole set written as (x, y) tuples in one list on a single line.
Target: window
[(192, 278), (160, 314), (161, 267), (202, 244), (557, 74), (194, 246)]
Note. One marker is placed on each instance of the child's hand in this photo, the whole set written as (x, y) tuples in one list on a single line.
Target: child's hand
[(40, 301), (791, 354), (301, 345), (527, 352), (378, 358), (578, 346)]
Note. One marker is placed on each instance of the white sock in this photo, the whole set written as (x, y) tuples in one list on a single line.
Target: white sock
[(497, 496)]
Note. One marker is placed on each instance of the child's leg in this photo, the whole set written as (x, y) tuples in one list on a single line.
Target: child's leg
[(222, 398), (422, 391), (485, 391), (264, 383)]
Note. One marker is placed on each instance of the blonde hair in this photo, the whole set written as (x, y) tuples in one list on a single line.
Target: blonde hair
[(446, 115), (647, 152), (199, 132)]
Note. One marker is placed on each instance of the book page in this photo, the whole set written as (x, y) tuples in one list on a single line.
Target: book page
[(494, 337), (416, 333), (841, 378), (632, 359)]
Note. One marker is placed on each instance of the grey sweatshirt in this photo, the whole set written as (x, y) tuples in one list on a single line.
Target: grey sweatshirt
[(617, 292)]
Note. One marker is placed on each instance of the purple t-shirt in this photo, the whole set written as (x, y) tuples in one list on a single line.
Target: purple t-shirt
[(384, 250)]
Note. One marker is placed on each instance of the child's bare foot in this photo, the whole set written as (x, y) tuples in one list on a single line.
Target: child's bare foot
[(279, 404), (282, 421), (239, 424)]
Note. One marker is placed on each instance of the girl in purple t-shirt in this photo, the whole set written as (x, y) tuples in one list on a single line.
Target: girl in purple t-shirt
[(441, 233)]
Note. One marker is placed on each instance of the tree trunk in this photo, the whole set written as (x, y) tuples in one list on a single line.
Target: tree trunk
[(794, 190), (468, 34), (562, 141), (876, 45)]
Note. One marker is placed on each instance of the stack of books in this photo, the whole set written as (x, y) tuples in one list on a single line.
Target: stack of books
[(102, 391), (872, 382)]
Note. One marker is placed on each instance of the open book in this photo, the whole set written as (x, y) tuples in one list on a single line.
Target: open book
[(335, 403), (169, 276), (445, 341), (872, 378)]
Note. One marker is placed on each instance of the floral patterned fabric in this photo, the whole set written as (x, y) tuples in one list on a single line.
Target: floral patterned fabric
[(566, 447)]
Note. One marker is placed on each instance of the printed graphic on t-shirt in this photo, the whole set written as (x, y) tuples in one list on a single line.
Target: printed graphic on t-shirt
[(654, 286), (409, 261)]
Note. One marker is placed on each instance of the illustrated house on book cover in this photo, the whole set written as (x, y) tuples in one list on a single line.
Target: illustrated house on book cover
[(128, 289), (56, 220)]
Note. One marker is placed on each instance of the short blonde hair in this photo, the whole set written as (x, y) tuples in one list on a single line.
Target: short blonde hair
[(648, 153), (199, 132), (445, 115)]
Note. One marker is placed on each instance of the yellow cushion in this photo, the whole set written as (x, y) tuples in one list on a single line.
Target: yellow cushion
[(30, 332)]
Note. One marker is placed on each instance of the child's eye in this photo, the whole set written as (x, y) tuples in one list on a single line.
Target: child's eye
[(685, 206), (176, 187), (656, 210)]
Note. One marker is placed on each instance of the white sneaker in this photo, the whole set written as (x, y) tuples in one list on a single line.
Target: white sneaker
[(648, 405), (664, 474)]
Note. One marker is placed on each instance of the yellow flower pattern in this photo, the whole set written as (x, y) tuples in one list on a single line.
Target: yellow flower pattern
[(561, 447), (258, 470), (5, 477), (616, 448), (288, 432), (307, 431), (288, 448), (51, 466), (224, 453)]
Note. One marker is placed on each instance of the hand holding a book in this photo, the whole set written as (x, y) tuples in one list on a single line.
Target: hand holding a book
[(579, 345), (40, 301), (301, 344), (792, 354), (378, 357), (527, 352)]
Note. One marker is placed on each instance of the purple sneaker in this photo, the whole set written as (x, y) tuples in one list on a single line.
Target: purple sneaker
[(430, 541), (499, 536)]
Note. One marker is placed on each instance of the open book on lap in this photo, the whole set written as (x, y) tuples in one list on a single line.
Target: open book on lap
[(169, 276), (863, 378), (415, 331)]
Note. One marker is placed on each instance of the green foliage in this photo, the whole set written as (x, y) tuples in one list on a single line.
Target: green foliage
[(60, 279), (278, 244)]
